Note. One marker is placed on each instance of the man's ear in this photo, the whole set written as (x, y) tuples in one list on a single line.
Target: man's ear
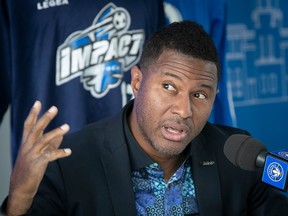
[(136, 77)]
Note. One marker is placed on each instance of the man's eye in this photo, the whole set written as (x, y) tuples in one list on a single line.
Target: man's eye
[(168, 87), (200, 95)]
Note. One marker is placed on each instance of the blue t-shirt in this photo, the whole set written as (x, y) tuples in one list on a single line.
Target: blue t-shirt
[(73, 54)]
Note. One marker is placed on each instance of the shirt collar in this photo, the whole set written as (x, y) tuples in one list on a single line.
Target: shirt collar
[(138, 157)]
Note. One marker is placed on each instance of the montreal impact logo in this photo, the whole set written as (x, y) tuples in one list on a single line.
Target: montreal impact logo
[(100, 54)]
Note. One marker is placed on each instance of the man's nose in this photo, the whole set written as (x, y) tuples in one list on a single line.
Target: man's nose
[(182, 106)]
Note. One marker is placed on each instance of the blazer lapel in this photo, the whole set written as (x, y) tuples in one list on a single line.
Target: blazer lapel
[(118, 176), (206, 179), (117, 169)]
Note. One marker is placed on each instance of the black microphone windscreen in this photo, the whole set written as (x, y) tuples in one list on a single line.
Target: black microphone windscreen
[(243, 150)]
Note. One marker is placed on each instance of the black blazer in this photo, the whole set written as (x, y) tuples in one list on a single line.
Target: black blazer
[(96, 178)]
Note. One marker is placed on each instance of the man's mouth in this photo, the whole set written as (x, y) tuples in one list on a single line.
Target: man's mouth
[(172, 130), (174, 134)]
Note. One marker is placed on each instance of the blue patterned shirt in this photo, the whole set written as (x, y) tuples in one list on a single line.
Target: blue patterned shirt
[(154, 196)]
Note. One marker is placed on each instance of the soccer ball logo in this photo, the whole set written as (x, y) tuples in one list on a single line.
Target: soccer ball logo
[(120, 20)]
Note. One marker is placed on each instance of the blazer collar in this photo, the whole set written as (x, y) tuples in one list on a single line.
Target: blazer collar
[(118, 176), (116, 163)]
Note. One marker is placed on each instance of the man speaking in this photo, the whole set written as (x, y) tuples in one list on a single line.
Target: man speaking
[(159, 156)]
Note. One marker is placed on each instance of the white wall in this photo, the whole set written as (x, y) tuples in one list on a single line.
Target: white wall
[(5, 156)]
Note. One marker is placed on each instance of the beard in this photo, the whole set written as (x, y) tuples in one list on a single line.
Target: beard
[(165, 147), (151, 135)]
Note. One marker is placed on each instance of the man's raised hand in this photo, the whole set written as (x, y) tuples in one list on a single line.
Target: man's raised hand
[(36, 151)]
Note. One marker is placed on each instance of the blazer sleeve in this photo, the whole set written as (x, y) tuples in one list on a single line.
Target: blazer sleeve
[(50, 198)]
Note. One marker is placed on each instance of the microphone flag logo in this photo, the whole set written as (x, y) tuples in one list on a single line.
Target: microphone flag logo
[(275, 171)]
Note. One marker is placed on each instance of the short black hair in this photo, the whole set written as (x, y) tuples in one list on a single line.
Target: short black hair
[(186, 37)]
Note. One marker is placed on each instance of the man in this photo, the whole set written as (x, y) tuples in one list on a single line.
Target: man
[(160, 156)]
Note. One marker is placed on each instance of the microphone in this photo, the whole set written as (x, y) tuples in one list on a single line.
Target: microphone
[(250, 154)]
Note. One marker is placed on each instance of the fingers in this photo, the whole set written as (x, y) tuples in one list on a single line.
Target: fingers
[(56, 154), (39, 127), (45, 146), (31, 120), (33, 137), (51, 142), (52, 139), (33, 128)]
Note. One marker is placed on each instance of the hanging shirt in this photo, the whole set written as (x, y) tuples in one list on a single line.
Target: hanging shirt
[(73, 54)]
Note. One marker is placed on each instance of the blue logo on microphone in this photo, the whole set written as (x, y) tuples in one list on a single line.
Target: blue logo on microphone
[(275, 171)]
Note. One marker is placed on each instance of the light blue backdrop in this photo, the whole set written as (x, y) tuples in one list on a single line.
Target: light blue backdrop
[(257, 67)]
